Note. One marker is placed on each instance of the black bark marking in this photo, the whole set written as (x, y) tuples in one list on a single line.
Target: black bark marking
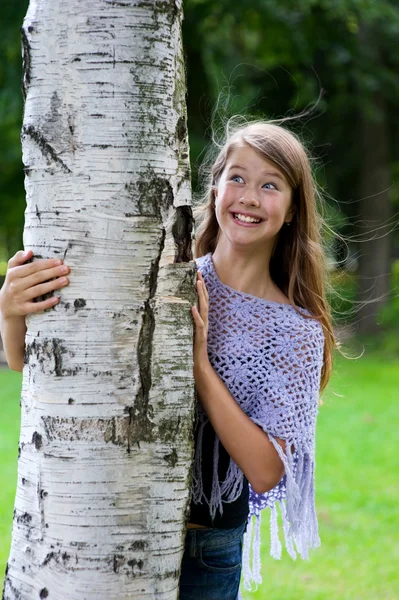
[(45, 351), (10, 589), (43, 593), (169, 429), (23, 480), (46, 148), (43, 494), (138, 545), (66, 250), (134, 563), (38, 213), (117, 430), (49, 556), (182, 234), (25, 518), (37, 440), (55, 105), (59, 557), (79, 303), (58, 351), (171, 458), (140, 425), (168, 575), (187, 287), (71, 401), (167, 7), (155, 194), (26, 62), (118, 561), (181, 129), (71, 128), (129, 568)]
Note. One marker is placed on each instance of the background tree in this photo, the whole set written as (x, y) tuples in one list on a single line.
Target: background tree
[(106, 411), (274, 58)]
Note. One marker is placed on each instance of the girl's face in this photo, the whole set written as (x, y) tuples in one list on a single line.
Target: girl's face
[(251, 186)]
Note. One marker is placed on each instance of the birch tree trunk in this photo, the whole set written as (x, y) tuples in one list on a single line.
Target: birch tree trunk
[(108, 392)]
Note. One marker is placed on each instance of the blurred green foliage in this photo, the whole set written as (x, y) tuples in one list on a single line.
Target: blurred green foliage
[(265, 58), (12, 196)]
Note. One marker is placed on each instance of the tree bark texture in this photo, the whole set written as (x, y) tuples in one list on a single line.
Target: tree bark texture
[(106, 448)]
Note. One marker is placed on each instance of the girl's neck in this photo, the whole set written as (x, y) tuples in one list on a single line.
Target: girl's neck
[(246, 272)]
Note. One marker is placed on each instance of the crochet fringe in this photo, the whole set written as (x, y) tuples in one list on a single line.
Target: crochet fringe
[(231, 487), (297, 509)]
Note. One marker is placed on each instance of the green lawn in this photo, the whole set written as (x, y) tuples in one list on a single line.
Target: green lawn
[(357, 489), (10, 386)]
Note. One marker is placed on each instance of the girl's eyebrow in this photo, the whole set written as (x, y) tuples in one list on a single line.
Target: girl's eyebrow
[(267, 173)]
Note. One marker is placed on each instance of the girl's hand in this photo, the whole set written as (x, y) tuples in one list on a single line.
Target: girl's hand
[(201, 325), (24, 282)]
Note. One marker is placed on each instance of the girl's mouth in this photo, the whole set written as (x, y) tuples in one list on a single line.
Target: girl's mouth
[(244, 223)]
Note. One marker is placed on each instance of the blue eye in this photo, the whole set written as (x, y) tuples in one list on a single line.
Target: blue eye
[(272, 184), (235, 177)]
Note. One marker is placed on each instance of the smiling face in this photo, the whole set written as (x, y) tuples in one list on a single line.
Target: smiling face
[(251, 186)]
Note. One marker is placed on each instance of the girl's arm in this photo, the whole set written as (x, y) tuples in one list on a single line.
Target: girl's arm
[(13, 332), (24, 283), (247, 444)]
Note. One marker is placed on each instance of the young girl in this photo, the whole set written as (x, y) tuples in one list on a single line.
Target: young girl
[(262, 352)]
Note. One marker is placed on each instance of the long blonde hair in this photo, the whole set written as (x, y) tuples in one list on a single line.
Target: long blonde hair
[(298, 264)]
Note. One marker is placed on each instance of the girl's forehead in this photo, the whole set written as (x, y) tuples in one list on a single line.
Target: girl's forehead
[(246, 157)]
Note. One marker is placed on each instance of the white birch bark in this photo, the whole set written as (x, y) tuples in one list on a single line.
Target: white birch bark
[(108, 392)]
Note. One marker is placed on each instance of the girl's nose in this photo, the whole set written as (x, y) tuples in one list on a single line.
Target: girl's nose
[(250, 199)]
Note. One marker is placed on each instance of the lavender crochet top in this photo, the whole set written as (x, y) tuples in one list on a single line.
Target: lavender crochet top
[(270, 358)]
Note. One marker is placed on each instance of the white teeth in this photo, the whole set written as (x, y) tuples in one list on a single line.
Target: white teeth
[(246, 219)]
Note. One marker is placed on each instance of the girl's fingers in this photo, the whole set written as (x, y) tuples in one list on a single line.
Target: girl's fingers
[(19, 258), (34, 307), (203, 302), (38, 271), (44, 276), (201, 278), (45, 288), (197, 317)]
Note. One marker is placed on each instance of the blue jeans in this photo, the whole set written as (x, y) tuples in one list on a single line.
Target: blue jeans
[(211, 565)]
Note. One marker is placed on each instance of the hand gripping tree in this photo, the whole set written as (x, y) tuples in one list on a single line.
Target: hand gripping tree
[(108, 392)]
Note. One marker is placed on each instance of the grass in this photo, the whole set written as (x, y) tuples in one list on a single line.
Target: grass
[(356, 489), (10, 386)]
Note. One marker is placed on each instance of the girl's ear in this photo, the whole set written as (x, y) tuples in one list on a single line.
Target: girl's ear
[(290, 214)]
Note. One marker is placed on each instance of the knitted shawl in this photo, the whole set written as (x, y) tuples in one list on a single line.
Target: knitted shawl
[(270, 358)]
